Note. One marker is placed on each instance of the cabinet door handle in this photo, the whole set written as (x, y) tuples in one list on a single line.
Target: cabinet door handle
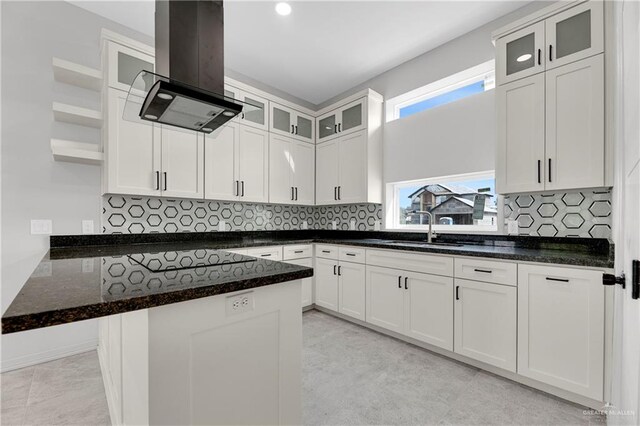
[(399, 282), (335, 193), (292, 128), (339, 127), (339, 270), (539, 56), (296, 188), (157, 181), (457, 292), (550, 53), (292, 193), (296, 129), (243, 115), (562, 280), (237, 188), (549, 169), (339, 196), (165, 181), (406, 286), (483, 270), (335, 128), (539, 178), (334, 270), (242, 186)]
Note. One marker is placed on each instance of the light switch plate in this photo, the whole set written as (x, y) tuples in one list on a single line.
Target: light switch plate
[(41, 227), (305, 224), (334, 225), (352, 225), (87, 227)]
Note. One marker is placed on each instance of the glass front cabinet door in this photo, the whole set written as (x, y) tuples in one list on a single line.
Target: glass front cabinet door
[(289, 122), (125, 63), (520, 54), (342, 121), (254, 114), (574, 34)]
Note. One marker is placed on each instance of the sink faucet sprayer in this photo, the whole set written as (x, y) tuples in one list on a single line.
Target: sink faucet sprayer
[(430, 234)]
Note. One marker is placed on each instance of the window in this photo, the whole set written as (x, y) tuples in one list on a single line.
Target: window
[(456, 203), (458, 86)]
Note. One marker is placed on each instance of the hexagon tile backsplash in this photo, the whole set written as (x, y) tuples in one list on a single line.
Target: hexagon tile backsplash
[(585, 214), (127, 214)]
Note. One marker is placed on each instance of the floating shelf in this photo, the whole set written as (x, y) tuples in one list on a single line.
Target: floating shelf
[(77, 75), (77, 115), (76, 152)]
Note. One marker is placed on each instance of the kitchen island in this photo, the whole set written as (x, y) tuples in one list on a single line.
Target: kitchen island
[(189, 334)]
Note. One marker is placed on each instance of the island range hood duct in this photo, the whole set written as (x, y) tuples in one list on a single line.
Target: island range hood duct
[(187, 89)]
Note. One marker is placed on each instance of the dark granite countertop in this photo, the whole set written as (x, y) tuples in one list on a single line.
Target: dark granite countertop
[(93, 276)]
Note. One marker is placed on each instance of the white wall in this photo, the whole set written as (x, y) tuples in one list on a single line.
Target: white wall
[(33, 185)]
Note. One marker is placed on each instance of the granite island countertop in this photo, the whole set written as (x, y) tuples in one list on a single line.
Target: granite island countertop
[(84, 277)]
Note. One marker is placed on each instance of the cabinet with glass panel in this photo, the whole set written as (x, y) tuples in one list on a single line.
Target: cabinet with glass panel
[(286, 121), (257, 116), (346, 119), (568, 36)]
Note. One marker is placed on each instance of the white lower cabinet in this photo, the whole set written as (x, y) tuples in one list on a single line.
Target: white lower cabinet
[(351, 290), (307, 283), (561, 328), (414, 304), (326, 283), (485, 322)]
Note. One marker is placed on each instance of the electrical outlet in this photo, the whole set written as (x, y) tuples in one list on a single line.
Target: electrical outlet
[(352, 225), (87, 227), (222, 226), (305, 224), (512, 227), (41, 227), (240, 303), (334, 225), (376, 226)]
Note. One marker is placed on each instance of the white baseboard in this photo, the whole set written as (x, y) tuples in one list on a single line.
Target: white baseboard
[(45, 356)]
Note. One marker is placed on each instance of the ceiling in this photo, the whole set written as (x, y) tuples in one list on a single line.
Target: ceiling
[(325, 47)]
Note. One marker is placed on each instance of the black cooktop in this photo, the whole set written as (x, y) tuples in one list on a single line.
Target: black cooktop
[(187, 259)]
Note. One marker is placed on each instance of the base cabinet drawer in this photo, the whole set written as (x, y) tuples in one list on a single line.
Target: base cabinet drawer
[(270, 253), (485, 322), (351, 254), (561, 328), (297, 252), (490, 271), (326, 251), (424, 263)]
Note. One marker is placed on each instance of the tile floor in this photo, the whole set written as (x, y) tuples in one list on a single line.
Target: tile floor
[(351, 376)]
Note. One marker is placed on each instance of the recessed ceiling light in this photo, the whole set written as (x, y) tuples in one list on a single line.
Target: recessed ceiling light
[(524, 57), (283, 8), (228, 113), (151, 117), (165, 96)]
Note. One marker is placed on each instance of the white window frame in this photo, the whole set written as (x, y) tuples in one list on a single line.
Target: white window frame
[(392, 199), (484, 72)]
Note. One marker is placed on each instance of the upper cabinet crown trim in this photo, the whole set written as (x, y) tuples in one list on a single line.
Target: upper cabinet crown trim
[(538, 16)]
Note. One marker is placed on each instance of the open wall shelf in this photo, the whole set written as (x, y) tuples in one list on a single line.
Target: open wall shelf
[(77, 75), (77, 115), (76, 152)]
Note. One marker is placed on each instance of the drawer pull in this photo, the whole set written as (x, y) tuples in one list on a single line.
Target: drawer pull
[(266, 255), (350, 254), (562, 280), (299, 251), (484, 271), (326, 251)]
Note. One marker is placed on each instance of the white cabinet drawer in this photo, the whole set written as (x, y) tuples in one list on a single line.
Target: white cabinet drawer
[(486, 270), (425, 263), (351, 254), (297, 251), (271, 253), (327, 252)]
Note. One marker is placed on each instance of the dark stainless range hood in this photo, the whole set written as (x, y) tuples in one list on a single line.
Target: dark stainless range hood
[(189, 37)]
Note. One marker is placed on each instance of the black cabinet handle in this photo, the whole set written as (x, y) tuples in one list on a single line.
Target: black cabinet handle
[(237, 192), (539, 164), (399, 282), (326, 251), (157, 181), (539, 56), (298, 251), (334, 270), (335, 128), (562, 280), (296, 129), (339, 127), (265, 255), (242, 186), (549, 169), (406, 287), (335, 193), (483, 270), (339, 270), (339, 195), (165, 181), (296, 188), (292, 193), (550, 53), (350, 254), (457, 292)]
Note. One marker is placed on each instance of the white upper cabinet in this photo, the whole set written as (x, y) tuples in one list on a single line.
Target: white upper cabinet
[(257, 114), (561, 328), (575, 34), (253, 162), (520, 54), (289, 122), (520, 109), (304, 172), (124, 64), (571, 35), (352, 160), (327, 171), (182, 163), (132, 152), (291, 171), (343, 120), (221, 164), (575, 125)]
